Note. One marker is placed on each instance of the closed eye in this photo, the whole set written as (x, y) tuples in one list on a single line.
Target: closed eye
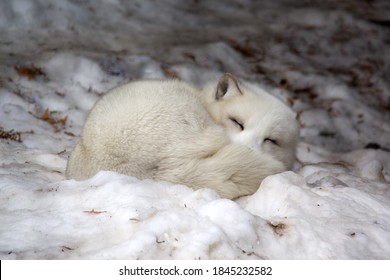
[(273, 141), (237, 123)]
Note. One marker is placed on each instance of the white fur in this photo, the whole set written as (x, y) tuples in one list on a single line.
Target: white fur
[(171, 131)]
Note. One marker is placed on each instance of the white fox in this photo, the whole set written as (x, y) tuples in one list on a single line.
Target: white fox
[(228, 136)]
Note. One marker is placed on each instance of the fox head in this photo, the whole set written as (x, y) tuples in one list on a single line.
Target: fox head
[(253, 118)]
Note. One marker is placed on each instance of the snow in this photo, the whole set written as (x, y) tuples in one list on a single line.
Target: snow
[(329, 60)]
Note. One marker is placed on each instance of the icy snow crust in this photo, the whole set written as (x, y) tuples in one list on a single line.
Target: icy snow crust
[(329, 60)]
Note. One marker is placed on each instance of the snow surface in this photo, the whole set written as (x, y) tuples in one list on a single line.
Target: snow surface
[(329, 60)]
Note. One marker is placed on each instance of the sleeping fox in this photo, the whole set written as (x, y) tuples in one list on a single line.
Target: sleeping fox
[(228, 136)]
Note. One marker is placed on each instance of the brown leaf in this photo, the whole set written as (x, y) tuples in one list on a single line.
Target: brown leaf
[(30, 72), (11, 135), (55, 122), (94, 212)]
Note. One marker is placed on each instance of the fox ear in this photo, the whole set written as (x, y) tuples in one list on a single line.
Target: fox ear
[(228, 85)]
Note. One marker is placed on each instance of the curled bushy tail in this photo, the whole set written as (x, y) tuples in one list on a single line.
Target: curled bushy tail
[(233, 170)]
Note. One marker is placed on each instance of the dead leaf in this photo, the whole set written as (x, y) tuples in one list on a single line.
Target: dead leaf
[(11, 135), (94, 212), (30, 72)]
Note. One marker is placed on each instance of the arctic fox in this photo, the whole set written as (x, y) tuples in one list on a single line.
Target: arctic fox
[(228, 136)]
